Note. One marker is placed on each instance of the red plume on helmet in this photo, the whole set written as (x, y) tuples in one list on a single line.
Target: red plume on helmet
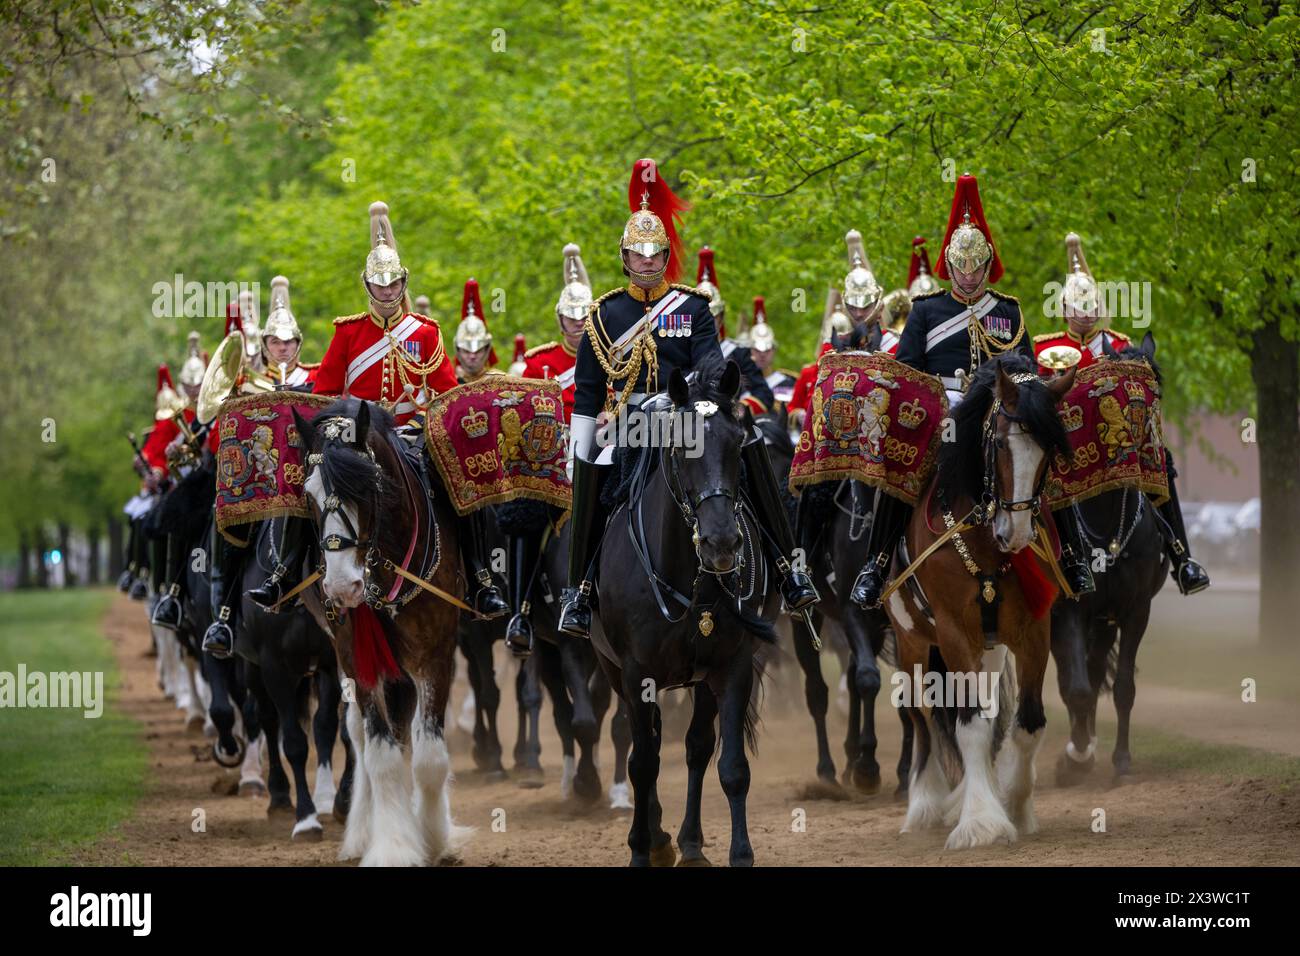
[(966, 199), (469, 298), (760, 312), (646, 182), (920, 260), (233, 320), (521, 346), (165, 377), (706, 270)]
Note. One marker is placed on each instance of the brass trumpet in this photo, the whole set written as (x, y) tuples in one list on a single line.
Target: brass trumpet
[(228, 373)]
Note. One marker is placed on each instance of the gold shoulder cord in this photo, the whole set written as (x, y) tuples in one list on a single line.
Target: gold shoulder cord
[(643, 350), (407, 368), (981, 341)]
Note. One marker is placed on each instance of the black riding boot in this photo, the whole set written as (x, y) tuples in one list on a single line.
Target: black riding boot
[(285, 576), (219, 638), (140, 585), (484, 596), (796, 584), (1076, 553), (575, 601), (128, 574), (1187, 573), (888, 523), (524, 552), (167, 612)]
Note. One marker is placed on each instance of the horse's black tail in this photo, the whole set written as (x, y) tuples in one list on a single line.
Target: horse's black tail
[(753, 704), (1112, 668)]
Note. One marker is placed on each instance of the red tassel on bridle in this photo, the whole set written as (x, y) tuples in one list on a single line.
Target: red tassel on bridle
[(371, 655)]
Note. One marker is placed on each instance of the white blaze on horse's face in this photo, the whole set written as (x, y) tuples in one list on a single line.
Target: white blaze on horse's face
[(1013, 530), (344, 580)]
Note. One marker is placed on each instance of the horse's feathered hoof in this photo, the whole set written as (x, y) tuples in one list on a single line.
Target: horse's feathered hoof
[(981, 832), (693, 858), (308, 830)]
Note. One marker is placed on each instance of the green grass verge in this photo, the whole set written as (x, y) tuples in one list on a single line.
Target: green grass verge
[(64, 779)]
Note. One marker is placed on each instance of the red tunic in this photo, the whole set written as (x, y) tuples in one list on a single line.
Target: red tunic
[(889, 341), (1092, 350), (155, 446), (553, 360), (803, 385), (359, 361)]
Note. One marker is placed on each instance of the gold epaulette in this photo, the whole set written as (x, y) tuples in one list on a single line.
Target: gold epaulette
[(1048, 335), (594, 308), (929, 295), (684, 288), (539, 348), (1004, 296), (345, 319), (1118, 335), (423, 318), (309, 366)]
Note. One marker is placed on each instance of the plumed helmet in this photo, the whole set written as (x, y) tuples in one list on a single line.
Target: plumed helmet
[(250, 321), (382, 264), (761, 337), (1080, 290), (706, 283), (280, 323), (919, 279), (968, 242), (472, 334), (656, 210), (861, 290), (897, 306), (193, 368), (166, 400), (575, 298)]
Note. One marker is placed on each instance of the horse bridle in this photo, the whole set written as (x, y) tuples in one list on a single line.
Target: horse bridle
[(688, 503), (991, 500)]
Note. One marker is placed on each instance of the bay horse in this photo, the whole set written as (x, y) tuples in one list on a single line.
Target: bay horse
[(684, 601), (374, 501), (988, 483), (293, 660), (1130, 567)]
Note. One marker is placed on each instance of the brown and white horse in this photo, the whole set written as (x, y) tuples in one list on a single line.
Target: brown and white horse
[(373, 513), (978, 590)]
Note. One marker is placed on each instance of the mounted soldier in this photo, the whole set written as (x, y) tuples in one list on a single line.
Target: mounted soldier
[(762, 347), (636, 337), (950, 334), (863, 295), (755, 391), (1084, 314), (474, 352), (395, 357), (835, 324)]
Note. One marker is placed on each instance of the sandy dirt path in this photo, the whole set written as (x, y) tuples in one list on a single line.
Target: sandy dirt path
[(1178, 818)]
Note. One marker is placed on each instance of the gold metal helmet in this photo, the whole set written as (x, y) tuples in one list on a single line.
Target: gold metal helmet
[(706, 283), (861, 290), (1080, 290), (644, 231), (968, 250), (167, 400), (575, 298), (280, 323), (835, 321), (192, 371), (761, 337), (472, 334), (250, 322), (382, 264), (897, 306)]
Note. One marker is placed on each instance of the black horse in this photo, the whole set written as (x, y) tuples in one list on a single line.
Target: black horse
[(684, 601), (293, 657), (1129, 568), (842, 511)]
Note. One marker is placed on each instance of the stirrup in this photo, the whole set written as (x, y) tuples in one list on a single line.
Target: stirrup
[(1078, 575), (1191, 577), (519, 634), (218, 639), (269, 594), (167, 612), (869, 585), (575, 611), (797, 588), (487, 600)]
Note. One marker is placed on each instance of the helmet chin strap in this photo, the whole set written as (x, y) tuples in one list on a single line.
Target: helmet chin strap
[(975, 296), (646, 279)]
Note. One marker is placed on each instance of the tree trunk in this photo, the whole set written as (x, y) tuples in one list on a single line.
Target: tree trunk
[(93, 537), (116, 548), (24, 559), (38, 545), (1275, 368), (65, 552)]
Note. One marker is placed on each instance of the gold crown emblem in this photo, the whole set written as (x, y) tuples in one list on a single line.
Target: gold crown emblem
[(228, 427), (845, 381), (1136, 390), (544, 405), (475, 423), (911, 414), (1072, 417)]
